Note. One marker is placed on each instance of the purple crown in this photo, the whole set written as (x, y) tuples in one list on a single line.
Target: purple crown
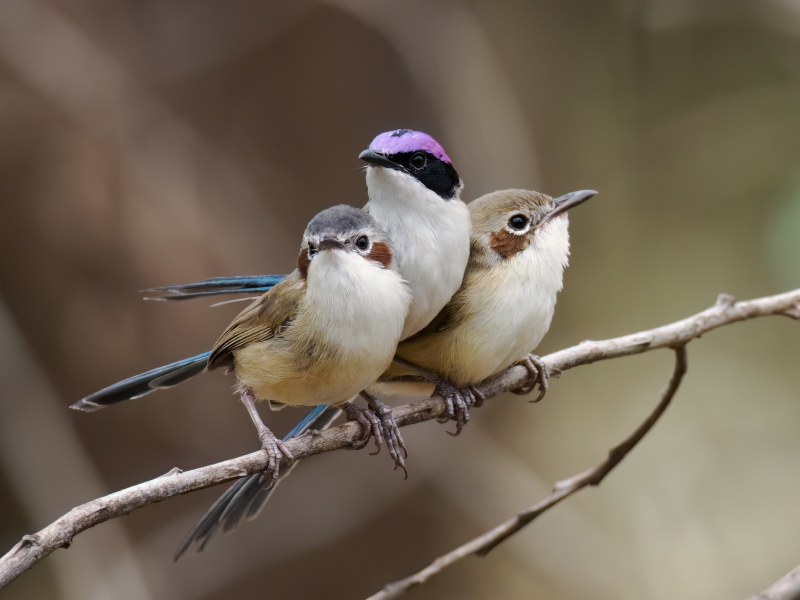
[(405, 140)]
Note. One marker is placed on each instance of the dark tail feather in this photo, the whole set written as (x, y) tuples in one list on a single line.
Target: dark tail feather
[(240, 284), (245, 498), (139, 385)]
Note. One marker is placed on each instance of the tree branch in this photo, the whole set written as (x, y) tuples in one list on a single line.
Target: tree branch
[(33, 548), (485, 543), (786, 588)]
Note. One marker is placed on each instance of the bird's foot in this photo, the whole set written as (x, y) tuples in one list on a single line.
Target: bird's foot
[(477, 396), (370, 424), (537, 372), (394, 440), (457, 401), (276, 451), (391, 432)]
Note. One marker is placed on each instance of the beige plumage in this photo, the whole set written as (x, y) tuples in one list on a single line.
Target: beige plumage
[(326, 331), (503, 309)]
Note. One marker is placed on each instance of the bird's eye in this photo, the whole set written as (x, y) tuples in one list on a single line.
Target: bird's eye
[(418, 160), (517, 222), (312, 250), (362, 243)]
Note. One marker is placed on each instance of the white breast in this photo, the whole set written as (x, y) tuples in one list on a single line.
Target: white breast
[(343, 337), (358, 308), (430, 237), (513, 308), (503, 312)]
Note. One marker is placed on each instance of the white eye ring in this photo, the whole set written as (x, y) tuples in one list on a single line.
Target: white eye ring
[(526, 225)]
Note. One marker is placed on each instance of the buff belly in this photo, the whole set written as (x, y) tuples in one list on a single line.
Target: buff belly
[(273, 374)]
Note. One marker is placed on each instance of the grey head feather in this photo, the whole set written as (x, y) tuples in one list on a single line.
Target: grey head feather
[(342, 221)]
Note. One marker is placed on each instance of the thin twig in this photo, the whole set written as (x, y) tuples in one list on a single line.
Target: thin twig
[(786, 588), (484, 543), (33, 548)]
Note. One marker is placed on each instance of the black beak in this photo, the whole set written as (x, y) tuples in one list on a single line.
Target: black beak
[(377, 159), (330, 244), (565, 202)]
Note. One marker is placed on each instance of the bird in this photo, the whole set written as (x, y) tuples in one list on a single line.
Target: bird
[(415, 195), (318, 337), (519, 249), (503, 309)]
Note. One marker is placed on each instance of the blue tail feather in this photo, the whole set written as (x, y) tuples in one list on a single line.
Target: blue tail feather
[(237, 284), (140, 385), (245, 498)]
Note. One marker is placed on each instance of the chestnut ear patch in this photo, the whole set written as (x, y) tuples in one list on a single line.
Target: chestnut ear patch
[(506, 243), (303, 262), (380, 253)]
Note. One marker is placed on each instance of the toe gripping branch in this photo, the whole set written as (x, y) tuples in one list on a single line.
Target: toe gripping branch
[(378, 422), (275, 448), (537, 375), (457, 400)]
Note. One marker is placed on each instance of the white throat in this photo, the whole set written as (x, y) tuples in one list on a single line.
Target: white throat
[(513, 304), (430, 237), (358, 308), (531, 280)]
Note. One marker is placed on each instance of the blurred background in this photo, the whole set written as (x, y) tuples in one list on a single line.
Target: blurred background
[(146, 143)]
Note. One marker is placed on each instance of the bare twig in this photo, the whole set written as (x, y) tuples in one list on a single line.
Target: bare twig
[(786, 588), (33, 548), (484, 543)]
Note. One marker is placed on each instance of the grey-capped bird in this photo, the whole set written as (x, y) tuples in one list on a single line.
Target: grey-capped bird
[(320, 336), (519, 249), (414, 194)]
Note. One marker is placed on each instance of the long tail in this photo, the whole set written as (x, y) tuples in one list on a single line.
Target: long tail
[(240, 284), (139, 385), (245, 498)]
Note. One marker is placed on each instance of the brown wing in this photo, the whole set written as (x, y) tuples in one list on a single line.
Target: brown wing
[(259, 321)]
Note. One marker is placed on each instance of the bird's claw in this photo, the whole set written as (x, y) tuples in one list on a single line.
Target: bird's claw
[(477, 396), (457, 402), (379, 424), (276, 451), (394, 440), (537, 375), (370, 423)]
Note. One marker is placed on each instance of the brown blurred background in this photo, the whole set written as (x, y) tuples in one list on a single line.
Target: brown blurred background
[(146, 143)]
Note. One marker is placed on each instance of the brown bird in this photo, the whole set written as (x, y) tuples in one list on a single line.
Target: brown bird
[(318, 337), (519, 249)]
